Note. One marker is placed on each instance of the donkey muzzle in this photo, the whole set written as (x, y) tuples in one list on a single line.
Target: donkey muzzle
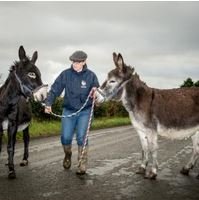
[(40, 93), (100, 97)]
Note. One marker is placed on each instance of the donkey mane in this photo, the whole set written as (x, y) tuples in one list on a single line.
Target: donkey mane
[(133, 75), (12, 68), (16, 63)]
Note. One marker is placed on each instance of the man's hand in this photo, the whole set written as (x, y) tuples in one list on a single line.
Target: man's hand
[(92, 92), (48, 109)]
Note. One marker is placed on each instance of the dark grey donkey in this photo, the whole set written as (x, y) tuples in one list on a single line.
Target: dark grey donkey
[(173, 113), (23, 82)]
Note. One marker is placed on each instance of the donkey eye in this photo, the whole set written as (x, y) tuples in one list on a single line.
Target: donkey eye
[(32, 75), (111, 81)]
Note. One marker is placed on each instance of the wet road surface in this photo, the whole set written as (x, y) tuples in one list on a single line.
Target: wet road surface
[(114, 157)]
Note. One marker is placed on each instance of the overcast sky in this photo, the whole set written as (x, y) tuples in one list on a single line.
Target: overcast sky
[(161, 39)]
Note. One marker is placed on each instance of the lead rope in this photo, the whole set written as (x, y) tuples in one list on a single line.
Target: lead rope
[(75, 113), (88, 129), (72, 114)]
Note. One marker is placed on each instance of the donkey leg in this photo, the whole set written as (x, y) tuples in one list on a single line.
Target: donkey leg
[(12, 129), (145, 152), (26, 139), (1, 136), (153, 146), (185, 170)]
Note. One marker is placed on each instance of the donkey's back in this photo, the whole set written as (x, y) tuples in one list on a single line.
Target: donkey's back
[(176, 112)]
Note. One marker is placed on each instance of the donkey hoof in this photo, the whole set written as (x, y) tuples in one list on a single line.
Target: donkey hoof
[(151, 175), (80, 173), (141, 170), (184, 171), (12, 175), (24, 163)]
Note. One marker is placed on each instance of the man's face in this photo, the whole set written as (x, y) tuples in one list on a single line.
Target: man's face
[(78, 65)]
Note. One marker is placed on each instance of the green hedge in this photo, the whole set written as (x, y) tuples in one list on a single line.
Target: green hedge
[(106, 109)]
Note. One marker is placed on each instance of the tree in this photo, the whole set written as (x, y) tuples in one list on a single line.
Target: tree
[(196, 84), (188, 83)]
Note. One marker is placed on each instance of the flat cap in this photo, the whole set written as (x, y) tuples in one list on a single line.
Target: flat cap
[(78, 56)]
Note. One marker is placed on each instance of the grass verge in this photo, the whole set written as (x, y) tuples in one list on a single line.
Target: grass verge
[(50, 128)]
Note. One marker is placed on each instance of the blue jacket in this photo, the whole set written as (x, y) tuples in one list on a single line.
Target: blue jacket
[(76, 85)]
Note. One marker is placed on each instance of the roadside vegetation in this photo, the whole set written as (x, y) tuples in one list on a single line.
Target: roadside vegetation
[(107, 115), (52, 127)]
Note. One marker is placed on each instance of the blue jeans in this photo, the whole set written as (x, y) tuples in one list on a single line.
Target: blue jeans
[(78, 124)]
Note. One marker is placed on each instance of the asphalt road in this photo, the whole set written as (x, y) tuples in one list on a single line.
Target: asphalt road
[(113, 159)]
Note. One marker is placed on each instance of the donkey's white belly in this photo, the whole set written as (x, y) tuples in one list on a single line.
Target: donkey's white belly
[(169, 133), (178, 134), (20, 127)]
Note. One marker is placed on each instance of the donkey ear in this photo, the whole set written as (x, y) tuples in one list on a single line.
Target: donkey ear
[(120, 62), (115, 58), (22, 53), (34, 57)]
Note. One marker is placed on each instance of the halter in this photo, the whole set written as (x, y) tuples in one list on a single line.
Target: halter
[(115, 91), (25, 90)]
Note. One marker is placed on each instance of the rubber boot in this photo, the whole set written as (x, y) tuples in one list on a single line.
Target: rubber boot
[(67, 158), (82, 160)]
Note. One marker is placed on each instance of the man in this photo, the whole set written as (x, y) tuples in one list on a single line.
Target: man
[(77, 82)]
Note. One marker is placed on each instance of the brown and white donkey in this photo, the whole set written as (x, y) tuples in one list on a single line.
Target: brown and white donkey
[(173, 113)]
